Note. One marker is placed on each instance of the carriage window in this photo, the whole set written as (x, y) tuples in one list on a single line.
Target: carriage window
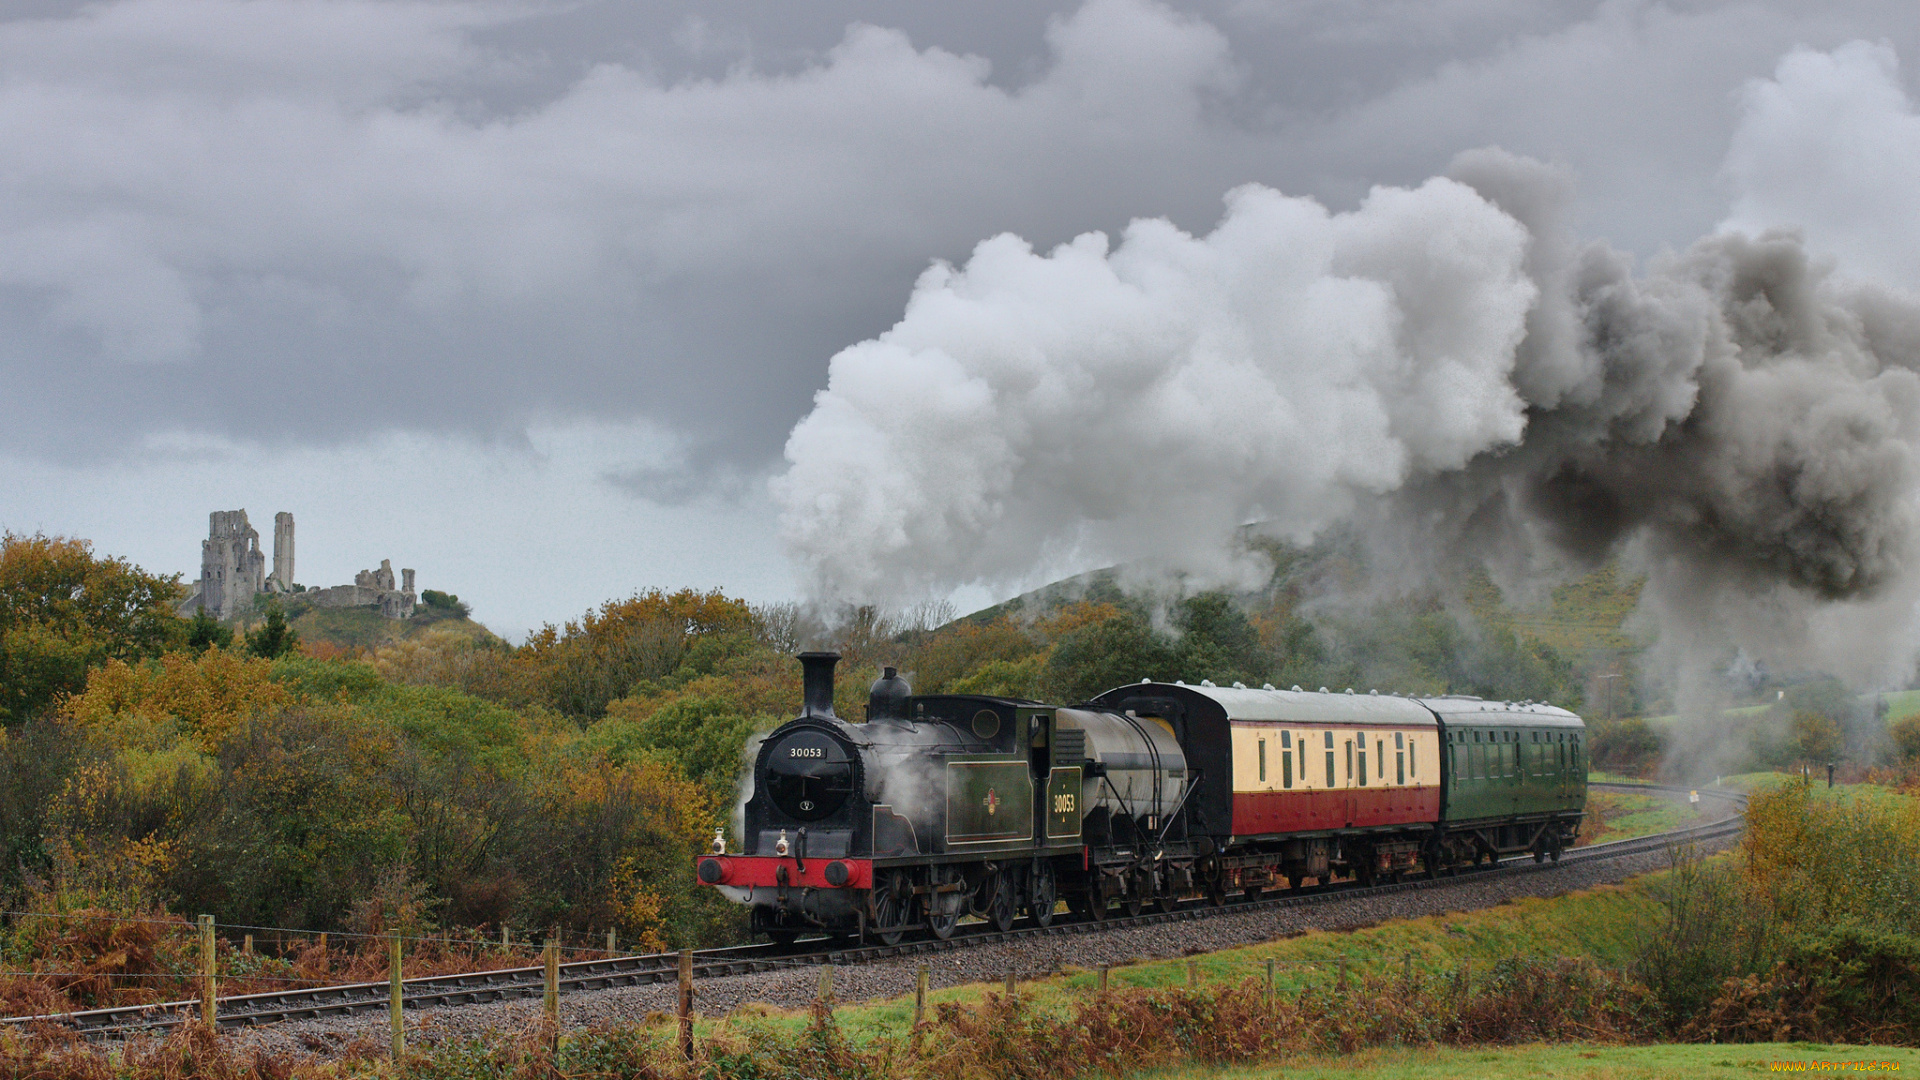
[(1413, 758), (1363, 761), (1399, 766), (1263, 761), (1329, 759), (1286, 764), (1380, 759)]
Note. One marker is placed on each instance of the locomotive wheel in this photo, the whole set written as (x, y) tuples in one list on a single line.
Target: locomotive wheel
[(1135, 901), (892, 909), (1040, 904), (1096, 897), (1001, 909), (941, 926)]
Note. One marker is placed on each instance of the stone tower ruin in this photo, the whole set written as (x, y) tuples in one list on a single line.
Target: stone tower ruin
[(232, 567), (282, 579)]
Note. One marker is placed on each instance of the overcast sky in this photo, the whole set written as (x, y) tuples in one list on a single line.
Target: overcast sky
[(528, 296)]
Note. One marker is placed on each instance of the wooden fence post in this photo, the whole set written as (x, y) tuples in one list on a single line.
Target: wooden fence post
[(396, 976), (1010, 982), (1269, 982), (686, 1002), (506, 936), (323, 948), (1193, 973), (1408, 964), (209, 1006), (826, 986), (919, 994), (551, 1000), (1103, 978), (612, 937), (246, 944)]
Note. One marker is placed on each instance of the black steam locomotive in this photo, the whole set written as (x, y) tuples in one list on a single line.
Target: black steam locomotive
[(941, 806)]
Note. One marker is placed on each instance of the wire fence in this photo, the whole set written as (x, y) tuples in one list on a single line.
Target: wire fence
[(509, 940)]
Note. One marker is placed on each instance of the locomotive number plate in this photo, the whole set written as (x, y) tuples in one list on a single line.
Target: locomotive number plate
[(1063, 803)]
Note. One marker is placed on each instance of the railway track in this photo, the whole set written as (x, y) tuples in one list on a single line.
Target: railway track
[(487, 986)]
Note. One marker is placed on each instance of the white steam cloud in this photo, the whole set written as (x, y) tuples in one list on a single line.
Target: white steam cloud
[(1446, 365), (1090, 406)]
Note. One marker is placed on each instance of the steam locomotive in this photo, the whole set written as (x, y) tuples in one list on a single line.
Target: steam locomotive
[(947, 805)]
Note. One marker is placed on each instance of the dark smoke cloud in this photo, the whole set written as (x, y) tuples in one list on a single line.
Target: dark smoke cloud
[(1738, 419)]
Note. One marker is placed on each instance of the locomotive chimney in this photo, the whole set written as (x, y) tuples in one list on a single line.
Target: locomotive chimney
[(817, 671)]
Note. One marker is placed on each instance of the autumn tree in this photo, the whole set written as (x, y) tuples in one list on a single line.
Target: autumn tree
[(64, 611), (587, 664)]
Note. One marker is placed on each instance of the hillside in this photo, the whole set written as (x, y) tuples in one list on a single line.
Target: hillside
[(1583, 620), (365, 627)]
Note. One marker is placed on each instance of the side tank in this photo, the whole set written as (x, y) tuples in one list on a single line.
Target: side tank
[(1136, 773)]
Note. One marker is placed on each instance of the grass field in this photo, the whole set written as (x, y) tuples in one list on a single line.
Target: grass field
[(1567, 1062), (1603, 923), (1623, 815)]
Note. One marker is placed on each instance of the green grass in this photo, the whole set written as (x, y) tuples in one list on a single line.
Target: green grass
[(1569, 1062), (1623, 815), (1604, 923), (1902, 704)]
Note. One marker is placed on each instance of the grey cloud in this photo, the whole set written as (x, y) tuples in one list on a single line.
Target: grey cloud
[(299, 223)]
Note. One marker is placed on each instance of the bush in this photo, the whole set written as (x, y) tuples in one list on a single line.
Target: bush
[(1905, 735), (1814, 933), (442, 601), (1630, 746)]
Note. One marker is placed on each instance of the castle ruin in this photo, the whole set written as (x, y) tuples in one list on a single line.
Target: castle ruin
[(233, 570)]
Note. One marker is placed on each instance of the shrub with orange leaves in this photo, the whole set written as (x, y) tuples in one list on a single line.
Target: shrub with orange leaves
[(589, 663), (209, 694)]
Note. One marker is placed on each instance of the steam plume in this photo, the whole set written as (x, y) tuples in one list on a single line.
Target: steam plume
[(1445, 365)]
